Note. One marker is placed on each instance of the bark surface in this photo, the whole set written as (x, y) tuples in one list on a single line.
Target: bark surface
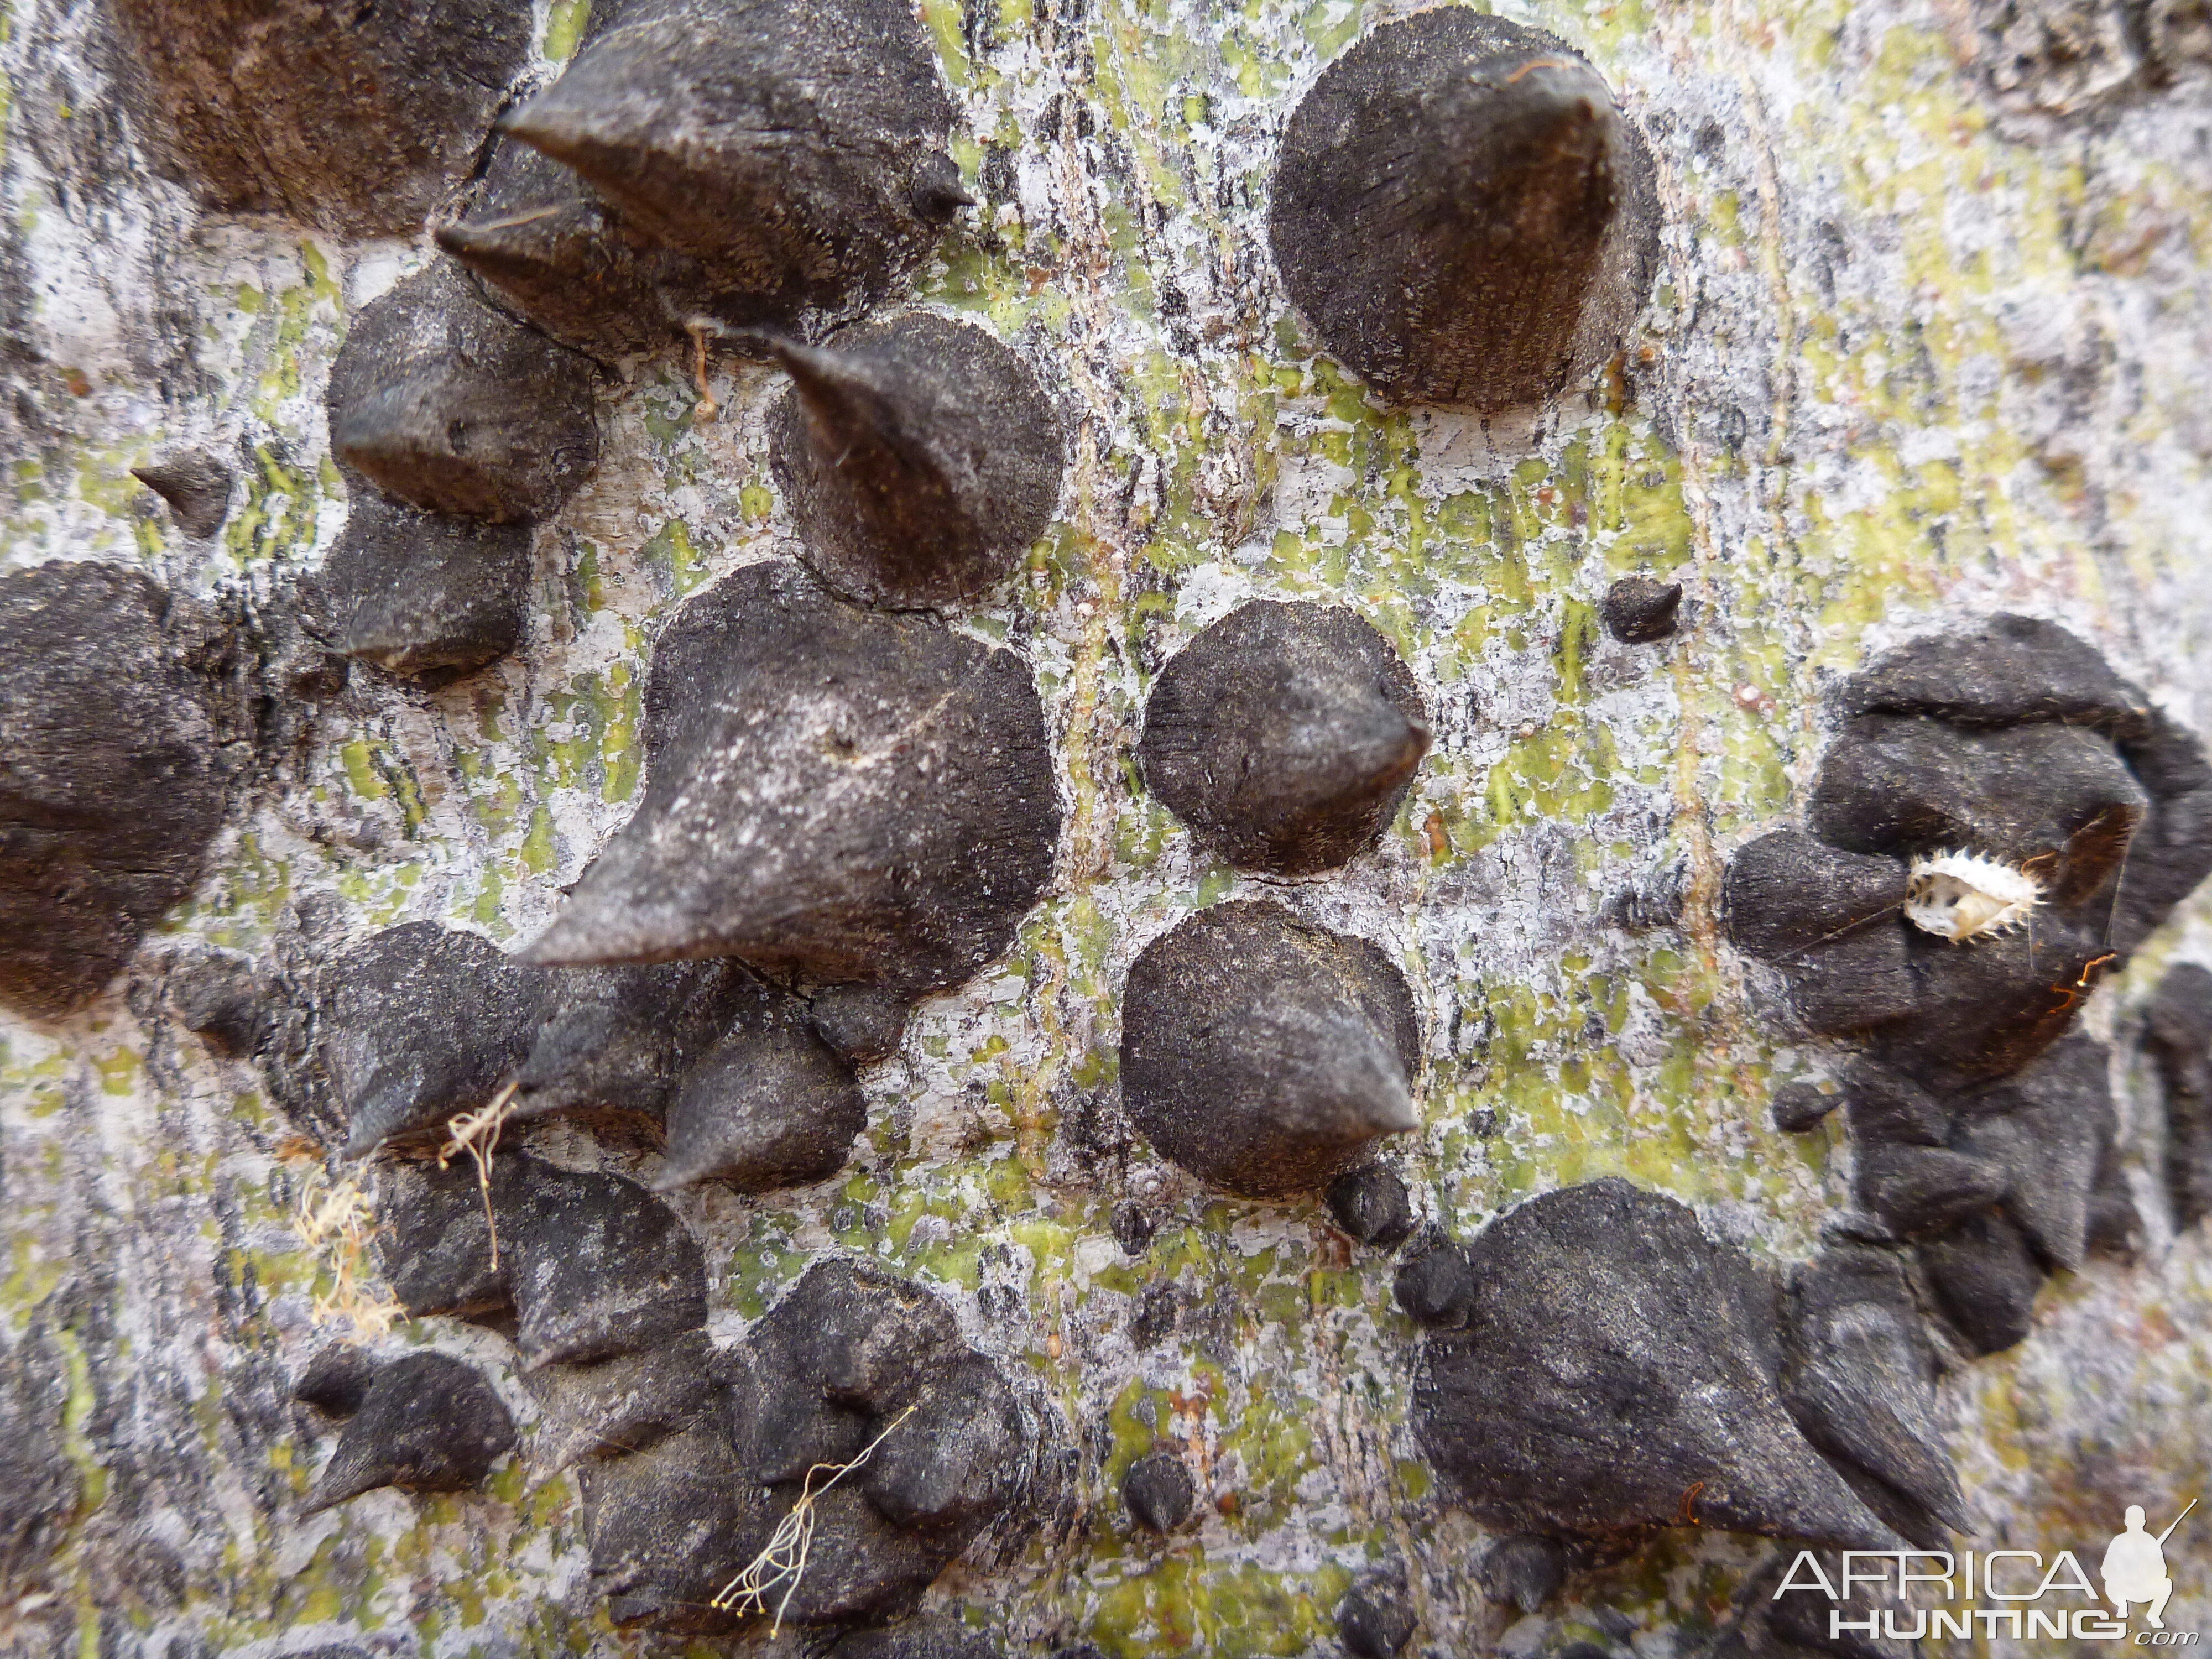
[(1929, 340)]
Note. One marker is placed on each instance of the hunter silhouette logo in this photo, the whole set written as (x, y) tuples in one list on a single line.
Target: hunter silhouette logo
[(2135, 1567)]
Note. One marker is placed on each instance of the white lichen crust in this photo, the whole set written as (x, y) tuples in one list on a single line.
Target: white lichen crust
[(1963, 896)]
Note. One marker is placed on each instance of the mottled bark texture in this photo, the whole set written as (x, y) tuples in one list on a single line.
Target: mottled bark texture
[(1838, 331)]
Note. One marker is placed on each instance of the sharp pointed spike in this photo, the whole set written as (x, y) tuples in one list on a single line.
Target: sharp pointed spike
[(457, 408), (790, 739), (664, 115), (545, 245), (769, 1106), (195, 482), (919, 457), (427, 1423), (1616, 1371)]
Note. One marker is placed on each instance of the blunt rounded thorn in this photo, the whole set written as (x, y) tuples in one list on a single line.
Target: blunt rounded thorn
[(111, 781), (601, 1267), (920, 458), (1566, 1407), (2042, 816), (1830, 919), (1263, 1055), (1523, 1570), (456, 407), (1799, 1107), (1787, 895), (434, 1242), (422, 1023), (669, 1526), (425, 1423), (592, 1265), (1285, 735), (863, 1567), (616, 1407), (223, 998), (852, 1358), (1882, 1104), (1850, 1626), (863, 1023), (417, 593), (195, 482), (2047, 1128), (1462, 215), (845, 1346), (1434, 1285), (1158, 1492), (1371, 1205), (832, 792), (2116, 1224), (1638, 610), (1923, 1188), (796, 150), (955, 1462), (1985, 1280), (2002, 669), (335, 1381), (356, 119), (769, 1105), (1903, 786), (1374, 1619)]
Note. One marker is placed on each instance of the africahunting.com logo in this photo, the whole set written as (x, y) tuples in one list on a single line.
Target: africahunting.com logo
[(2133, 1571)]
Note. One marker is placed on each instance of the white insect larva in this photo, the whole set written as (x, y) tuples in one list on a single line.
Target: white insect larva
[(1963, 896)]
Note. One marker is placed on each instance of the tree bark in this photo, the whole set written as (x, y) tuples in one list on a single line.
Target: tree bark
[(1930, 342)]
